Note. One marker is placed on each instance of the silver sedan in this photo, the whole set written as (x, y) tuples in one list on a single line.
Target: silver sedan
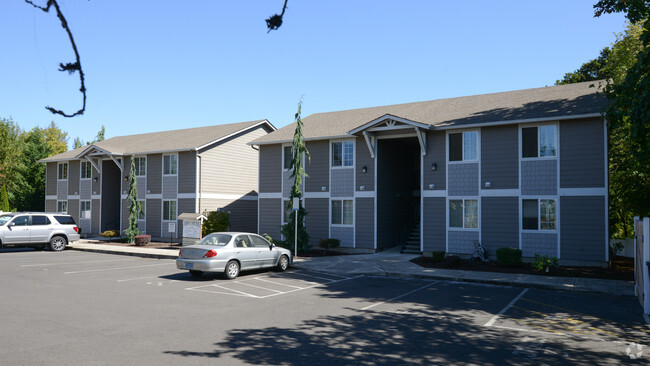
[(230, 253)]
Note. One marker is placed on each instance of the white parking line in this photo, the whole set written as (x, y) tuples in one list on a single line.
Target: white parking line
[(260, 287), (322, 278), (494, 318), (400, 296), (277, 283), (60, 264), (118, 268)]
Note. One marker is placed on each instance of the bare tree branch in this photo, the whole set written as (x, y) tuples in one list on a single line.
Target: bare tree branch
[(275, 21), (72, 66)]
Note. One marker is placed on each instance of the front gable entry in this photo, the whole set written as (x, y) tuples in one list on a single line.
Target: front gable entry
[(390, 124)]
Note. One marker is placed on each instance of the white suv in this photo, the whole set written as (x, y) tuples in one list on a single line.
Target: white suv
[(38, 230)]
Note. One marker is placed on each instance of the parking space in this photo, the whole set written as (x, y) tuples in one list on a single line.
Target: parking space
[(84, 300)]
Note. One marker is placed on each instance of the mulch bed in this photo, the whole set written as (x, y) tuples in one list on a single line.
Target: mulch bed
[(151, 244), (621, 268)]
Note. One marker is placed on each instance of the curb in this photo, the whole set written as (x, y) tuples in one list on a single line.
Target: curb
[(132, 254)]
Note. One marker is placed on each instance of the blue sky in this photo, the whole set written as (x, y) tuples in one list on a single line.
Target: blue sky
[(154, 66)]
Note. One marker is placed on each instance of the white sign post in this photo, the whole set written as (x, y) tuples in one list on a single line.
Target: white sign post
[(171, 229), (296, 206)]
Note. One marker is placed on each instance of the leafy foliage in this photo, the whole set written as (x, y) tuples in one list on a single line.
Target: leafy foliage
[(217, 221), (509, 257), (4, 199), (438, 255), (544, 263), (135, 206), (589, 71)]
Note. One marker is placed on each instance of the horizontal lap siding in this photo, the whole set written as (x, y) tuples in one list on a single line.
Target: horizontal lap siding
[(582, 153), (317, 219), (73, 177), (434, 224), (270, 168), (583, 225), (317, 168), (154, 175), (50, 179), (154, 217), (365, 223), (243, 212), (499, 223), (95, 216), (436, 154), (269, 217), (499, 157), (187, 172), (363, 159)]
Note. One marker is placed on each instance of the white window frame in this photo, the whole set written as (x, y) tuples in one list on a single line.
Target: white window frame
[(285, 210), (58, 205), (343, 160), (284, 148), (539, 200), (331, 211), (81, 210), (464, 159), (83, 167), (175, 156), (464, 216), (143, 210), (58, 170), (175, 212), (139, 164), (539, 127)]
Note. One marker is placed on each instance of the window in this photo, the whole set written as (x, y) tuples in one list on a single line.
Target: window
[(463, 214), (84, 208), (539, 214), (342, 212), (169, 210), (537, 142), (287, 156), (170, 164), (259, 242), (21, 221), (63, 171), (342, 153), (86, 170), (40, 220), (287, 211), (62, 206), (65, 220), (463, 146), (141, 214), (141, 166)]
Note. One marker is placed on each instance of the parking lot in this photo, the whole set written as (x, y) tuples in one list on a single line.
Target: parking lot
[(86, 308)]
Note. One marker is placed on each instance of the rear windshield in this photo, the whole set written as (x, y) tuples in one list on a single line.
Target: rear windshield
[(4, 219), (215, 239), (65, 220)]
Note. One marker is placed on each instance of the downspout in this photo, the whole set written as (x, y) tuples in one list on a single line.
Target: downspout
[(200, 180)]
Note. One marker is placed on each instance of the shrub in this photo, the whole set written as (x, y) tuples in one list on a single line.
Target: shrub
[(217, 221), (509, 257), (279, 243), (329, 243), (452, 261), (110, 234), (544, 263), (438, 256)]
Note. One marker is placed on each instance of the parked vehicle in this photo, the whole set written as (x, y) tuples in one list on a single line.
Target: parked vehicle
[(39, 230), (232, 252)]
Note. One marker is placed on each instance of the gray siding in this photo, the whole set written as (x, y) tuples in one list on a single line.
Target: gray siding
[(539, 177), (154, 175), (170, 186), (463, 179), (231, 166), (365, 223), (317, 168), (344, 234), (243, 213), (125, 214), (499, 157), (287, 183), (436, 153), (187, 172), (85, 187), (50, 179), (73, 177), (499, 223), (582, 153), (317, 219), (50, 205), (539, 243), (270, 168), (342, 182), (73, 209), (434, 224), (95, 217), (154, 217), (363, 159), (269, 216), (462, 241), (96, 186), (62, 190), (583, 225)]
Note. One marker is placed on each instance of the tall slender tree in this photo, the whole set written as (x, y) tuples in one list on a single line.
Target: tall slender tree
[(134, 206), (4, 199)]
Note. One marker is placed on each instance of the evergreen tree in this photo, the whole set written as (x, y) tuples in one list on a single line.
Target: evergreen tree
[(135, 206), (4, 199)]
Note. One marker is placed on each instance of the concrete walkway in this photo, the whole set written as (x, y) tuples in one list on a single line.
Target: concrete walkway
[(391, 263)]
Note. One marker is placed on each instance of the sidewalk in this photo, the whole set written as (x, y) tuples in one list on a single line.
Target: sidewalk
[(391, 263)]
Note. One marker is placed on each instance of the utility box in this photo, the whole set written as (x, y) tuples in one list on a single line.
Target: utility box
[(192, 227)]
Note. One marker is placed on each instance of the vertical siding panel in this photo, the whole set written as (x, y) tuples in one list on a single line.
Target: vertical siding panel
[(499, 157), (154, 175), (499, 223), (270, 168), (365, 223), (73, 209), (95, 217), (269, 216), (316, 221), (363, 159), (434, 224), (317, 168), (186, 172), (436, 153), (50, 183), (582, 153), (582, 225), (154, 217), (73, 177)]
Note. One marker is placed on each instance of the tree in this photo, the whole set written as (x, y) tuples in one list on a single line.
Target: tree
[(56, 139), (299, 151), (589, 71), (30, 196), (134, 207), (10, 157), (4, 199), (99, 137)]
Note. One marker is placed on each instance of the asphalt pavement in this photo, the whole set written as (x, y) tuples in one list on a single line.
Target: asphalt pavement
[(392, 263)]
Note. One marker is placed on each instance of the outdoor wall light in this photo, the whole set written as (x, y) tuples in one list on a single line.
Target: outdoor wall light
[(126, 179), (432, 186), (362, 188), (95, 179), (364, 169), (434, 167), (323, 188), (488, 184)]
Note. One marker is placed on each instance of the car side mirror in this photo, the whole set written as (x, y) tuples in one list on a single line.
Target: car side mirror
[(271, 246), (12, 224)]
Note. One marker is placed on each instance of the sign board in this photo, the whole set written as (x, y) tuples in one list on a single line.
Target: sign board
[(296, 203), (172, 227), (191, 229)]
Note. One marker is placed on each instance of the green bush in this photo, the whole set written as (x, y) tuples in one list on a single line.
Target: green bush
[(452, 261), (509, 257), (438, 256), (544, 263), (217, 221), (110, 234), (329, 243)]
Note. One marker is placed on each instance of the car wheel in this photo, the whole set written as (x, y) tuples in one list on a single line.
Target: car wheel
[(195, 273), (58, 243), (283, 263), (232, 270)]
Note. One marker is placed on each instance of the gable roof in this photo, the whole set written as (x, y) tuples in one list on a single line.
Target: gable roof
[(189, 139), (528, 105)]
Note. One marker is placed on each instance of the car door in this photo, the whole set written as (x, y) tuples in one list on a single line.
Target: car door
[(265, 256), (17, 230), (245, 252), (40, 229)]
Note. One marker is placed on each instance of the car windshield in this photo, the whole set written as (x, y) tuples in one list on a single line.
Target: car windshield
[(4, 219), (215, 239)]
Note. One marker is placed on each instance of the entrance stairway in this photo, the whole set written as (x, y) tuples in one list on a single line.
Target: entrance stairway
[(412, 245)]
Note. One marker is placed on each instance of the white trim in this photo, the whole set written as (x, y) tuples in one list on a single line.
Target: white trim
[(606, 163), (422, 200), (67, 171), (520, 121), (73, 197), (163, 165), (221, 196), (499, 192), (371, 142), (197, 179), (364, 194), (397, 136), (156, 196), (266, 195), (354, 205), (265, 121), (539, 229), (381, 119), (463, 161), (376, 190), (343, 166), (596, 191), (81, 170), (96, 197), (51, 197), (422, 139), (478, 213), (315, 195), (185, 195), (434, 193)]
